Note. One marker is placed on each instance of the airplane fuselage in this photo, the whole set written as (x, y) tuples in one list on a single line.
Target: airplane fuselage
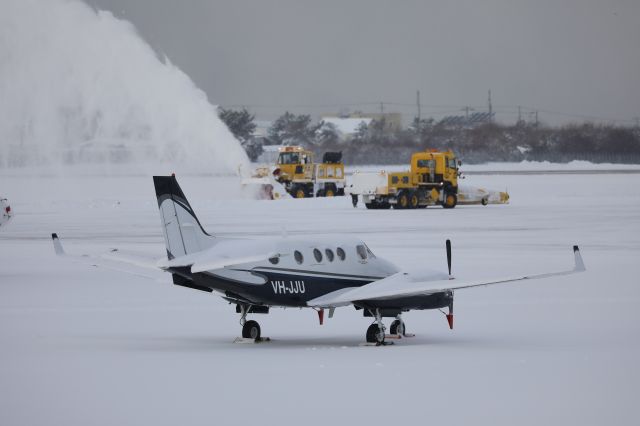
[(298, 271)]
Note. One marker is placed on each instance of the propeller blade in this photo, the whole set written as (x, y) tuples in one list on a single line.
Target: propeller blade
[(449, 255)]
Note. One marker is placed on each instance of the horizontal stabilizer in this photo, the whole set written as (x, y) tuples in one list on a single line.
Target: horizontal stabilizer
[(226, 252)]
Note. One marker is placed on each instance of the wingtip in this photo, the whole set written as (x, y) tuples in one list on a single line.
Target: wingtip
[(579, 266), (57, 245)]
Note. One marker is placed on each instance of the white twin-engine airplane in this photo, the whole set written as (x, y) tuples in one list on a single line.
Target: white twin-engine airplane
[(286, 272)]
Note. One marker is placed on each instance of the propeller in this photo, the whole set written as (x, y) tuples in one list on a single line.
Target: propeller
[(450, 314), (449, 257)]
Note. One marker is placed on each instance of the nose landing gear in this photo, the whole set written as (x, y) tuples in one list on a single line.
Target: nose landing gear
[(375, 332)]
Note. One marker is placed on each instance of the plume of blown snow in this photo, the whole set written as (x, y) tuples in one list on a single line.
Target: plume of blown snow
[(80, 86)]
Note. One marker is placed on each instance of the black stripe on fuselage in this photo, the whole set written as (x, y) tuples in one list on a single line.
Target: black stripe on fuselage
[(284, 289), (280, 289)]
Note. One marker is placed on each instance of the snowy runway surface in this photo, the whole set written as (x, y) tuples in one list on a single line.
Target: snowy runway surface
[(86, 345)]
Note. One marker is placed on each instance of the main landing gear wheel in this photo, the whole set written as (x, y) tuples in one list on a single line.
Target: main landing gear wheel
[(251, 330), (397, 327), (375, 334)]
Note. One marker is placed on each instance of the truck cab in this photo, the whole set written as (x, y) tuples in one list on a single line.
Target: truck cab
[(302, 177), (435, 168), (294, 163)]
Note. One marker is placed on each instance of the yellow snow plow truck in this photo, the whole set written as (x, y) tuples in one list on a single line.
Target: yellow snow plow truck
[(431, 180), (302, 177)]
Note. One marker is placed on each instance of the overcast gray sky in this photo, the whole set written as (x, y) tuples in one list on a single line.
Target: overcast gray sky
[(580, 57)]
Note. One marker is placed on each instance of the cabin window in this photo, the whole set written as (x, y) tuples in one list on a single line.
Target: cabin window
[(341, 254), (298, 257), (362, 251), (329, 172), (274, 259), (318, 255), (329, 254), (320, 172), (338, 172)]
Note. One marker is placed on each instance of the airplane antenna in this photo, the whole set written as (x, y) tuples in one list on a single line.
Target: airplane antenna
[(448, 244)]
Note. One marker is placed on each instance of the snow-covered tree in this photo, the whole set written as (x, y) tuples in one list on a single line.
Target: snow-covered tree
[(241, 124), (291, 129)]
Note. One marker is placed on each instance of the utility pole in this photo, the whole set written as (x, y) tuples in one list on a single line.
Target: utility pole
[(519, 114), (490, 107), (418, 104), (536, 118), (466, 111)]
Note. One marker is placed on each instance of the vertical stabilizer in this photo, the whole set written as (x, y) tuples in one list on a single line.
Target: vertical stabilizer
[(183, 233)]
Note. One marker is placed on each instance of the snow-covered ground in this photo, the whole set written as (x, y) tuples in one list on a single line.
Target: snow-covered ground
[(84, 345), (521, 167)]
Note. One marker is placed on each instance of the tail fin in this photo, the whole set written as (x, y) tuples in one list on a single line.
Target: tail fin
[(183, 233)]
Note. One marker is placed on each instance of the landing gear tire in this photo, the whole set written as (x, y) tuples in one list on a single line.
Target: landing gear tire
[(375, 334), (397, 328), (251, 330)]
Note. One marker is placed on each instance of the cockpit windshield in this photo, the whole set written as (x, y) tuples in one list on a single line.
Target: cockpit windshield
[(371, 255), (364, 252)]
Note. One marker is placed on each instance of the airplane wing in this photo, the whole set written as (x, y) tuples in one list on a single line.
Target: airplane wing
[(225, 253), (403, 284), (116, 260)]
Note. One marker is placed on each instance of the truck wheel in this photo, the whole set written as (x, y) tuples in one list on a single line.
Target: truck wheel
[(403, 201), (320, 193), (298, 192), (450, 200), (413, 200), (329, 192)]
